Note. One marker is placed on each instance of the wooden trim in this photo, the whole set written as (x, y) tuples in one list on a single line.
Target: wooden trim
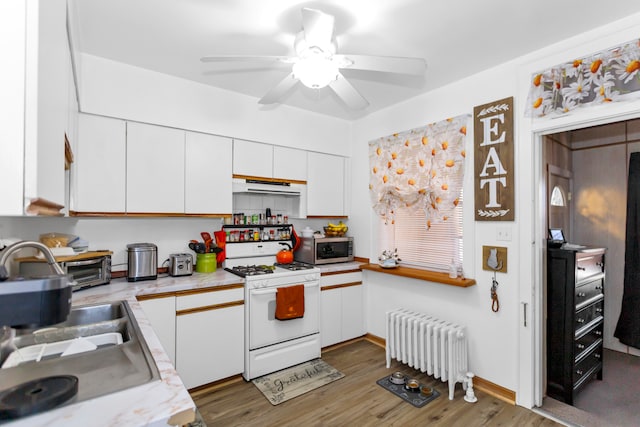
[(189, 291), (64, 258), (426, 275), (43, 207), (331, 273), (209, 307), (277, 180), (118, 274), (182, 418), (210, 289), (160, 295), (479, 383), (327, 216), (148, 214), (215, 385), (341, 285), (495, 390), (363, 260)]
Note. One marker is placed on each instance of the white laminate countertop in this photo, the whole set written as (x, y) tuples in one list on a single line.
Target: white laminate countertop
[(160, 403)]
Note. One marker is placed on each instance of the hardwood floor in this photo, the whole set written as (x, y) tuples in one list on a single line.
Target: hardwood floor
[(356, 400)]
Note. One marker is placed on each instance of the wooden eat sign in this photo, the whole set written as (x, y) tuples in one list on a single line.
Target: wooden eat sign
[(493, 153)]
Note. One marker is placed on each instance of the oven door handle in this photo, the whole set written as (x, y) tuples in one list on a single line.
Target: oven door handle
[(273, 290)]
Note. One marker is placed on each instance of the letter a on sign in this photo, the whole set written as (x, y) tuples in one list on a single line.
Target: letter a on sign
[(493, 154)]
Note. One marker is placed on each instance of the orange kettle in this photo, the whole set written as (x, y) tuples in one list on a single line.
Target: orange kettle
[(285, 256)]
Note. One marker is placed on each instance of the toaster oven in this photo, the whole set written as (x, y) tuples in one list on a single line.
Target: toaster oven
[(86, 270), (324, 250)]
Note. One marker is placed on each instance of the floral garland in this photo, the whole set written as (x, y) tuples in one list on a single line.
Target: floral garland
[(600, 78)]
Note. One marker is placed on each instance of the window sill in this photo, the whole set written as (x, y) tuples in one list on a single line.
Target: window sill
[(426, 275)]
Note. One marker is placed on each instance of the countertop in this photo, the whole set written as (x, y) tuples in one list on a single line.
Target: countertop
[(163, 402)]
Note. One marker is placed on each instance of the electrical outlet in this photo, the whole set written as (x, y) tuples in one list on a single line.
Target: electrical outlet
[(504, 234)]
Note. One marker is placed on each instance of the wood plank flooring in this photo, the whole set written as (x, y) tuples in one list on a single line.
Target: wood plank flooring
[(356, 400)]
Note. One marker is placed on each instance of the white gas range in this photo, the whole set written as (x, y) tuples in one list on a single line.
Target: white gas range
[(272, 344)]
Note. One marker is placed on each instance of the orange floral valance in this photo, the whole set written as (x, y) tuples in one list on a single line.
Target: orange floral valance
[(421, 168), (603, 77)]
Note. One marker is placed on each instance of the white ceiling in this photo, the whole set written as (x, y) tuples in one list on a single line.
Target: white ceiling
[(457, 38)]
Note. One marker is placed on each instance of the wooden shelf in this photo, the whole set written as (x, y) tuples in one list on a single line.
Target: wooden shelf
[(426, 275)]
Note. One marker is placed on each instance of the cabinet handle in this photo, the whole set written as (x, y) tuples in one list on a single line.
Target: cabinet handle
[(600, 264), (582, 269), (598, 287), (580, 320), (580, 346), (581, 295), (598, 333), (599, 310), (579, 372), (597, 356)]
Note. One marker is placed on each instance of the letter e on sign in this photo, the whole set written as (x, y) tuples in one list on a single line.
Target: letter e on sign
[(493, 160)]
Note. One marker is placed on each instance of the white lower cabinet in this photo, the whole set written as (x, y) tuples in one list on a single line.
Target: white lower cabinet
[(210, 335), (161, 313), (341, 307)]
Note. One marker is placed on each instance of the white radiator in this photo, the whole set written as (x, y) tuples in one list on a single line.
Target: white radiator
[(430, 345)]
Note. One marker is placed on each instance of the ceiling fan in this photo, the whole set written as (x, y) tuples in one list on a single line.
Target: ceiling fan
[(317, 64)]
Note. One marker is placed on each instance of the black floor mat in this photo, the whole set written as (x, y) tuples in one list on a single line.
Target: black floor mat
[(416, 399)]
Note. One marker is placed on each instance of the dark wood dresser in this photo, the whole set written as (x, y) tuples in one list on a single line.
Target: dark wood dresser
[(575, 319)]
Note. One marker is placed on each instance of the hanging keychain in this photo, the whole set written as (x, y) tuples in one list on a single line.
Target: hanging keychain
[(495, 303)]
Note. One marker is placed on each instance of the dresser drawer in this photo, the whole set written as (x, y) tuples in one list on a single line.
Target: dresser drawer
[(588, 265), (587, 316), (588, 339), (587, 367), (588, 291)]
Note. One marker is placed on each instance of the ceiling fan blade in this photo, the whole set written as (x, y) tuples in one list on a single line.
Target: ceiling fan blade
[(277, 92), (348, 93), (243, 58), (318, 27), (386, 64)]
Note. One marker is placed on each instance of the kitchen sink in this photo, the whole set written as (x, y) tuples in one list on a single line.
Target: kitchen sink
[(113, 356)]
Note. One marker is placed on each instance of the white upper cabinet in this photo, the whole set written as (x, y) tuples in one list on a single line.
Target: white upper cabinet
[(269, 161), (252, 159), (99, 181), (208, 174), (34, 102), (326, 185), (289, 163), (155, 169)]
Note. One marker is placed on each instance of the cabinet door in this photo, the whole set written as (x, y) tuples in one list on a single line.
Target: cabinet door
[(210, 345), (330, 320), (155, 169), (352, 312), (252, 159), (161, 313), (325, 185), (208, 174), (46, 100), (289, 163), (100, 158)]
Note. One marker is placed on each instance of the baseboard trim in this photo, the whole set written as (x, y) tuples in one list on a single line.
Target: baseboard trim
[(206, 388), (495, 390)]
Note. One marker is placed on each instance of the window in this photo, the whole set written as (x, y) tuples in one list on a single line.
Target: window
[(434, 249)]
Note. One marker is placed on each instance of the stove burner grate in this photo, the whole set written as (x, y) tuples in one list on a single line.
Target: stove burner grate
[(295, 266), (251, 270)]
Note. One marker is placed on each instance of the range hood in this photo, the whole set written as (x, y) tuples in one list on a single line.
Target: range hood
[(256, 186)]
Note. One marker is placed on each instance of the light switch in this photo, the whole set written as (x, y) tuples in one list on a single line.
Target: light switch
[(504, 234)]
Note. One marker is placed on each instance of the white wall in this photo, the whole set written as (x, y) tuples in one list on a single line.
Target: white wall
[(502, 349), (114, 89)]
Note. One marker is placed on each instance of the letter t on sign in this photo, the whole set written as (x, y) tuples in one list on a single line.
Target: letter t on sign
[(494, 161)]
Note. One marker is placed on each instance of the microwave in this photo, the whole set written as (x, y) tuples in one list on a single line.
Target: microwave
[(324, 250), (85, 270)]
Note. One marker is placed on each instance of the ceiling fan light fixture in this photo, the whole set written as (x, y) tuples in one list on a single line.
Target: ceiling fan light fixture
[(315, 71)]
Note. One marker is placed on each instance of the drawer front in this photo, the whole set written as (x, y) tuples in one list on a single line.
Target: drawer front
[(587, 291), (586, 366), (585, 341), (583, 317), (588, 265)]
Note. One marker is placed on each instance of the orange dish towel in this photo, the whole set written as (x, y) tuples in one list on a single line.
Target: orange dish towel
[(290, 302)]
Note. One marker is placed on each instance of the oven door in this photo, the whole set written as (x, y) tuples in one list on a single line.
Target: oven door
[(265, 329)]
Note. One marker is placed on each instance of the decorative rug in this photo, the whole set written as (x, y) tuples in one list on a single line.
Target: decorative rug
[(416, 399), (292, 382)]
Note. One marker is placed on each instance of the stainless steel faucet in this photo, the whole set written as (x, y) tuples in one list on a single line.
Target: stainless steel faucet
[(4, 274)]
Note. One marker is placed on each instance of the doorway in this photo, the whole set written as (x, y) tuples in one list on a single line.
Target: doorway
[(584, 174)]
